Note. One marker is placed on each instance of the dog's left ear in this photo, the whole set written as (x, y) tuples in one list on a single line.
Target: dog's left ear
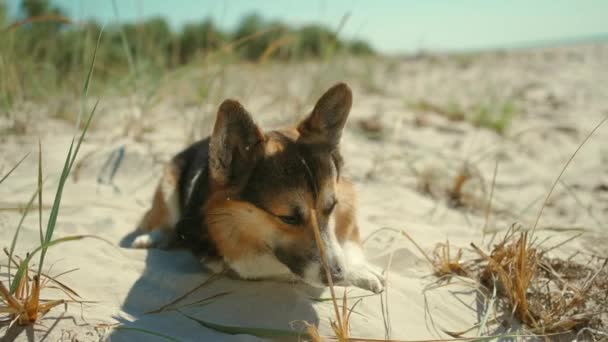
[(236, 143), (326, 122)]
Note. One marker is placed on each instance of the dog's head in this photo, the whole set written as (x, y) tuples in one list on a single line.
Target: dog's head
[(269, 189)]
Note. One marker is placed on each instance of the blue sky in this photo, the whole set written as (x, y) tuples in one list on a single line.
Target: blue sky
[(392, 26)]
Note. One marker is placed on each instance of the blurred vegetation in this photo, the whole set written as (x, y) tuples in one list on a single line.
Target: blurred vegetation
[(42, 41), (496, 114)]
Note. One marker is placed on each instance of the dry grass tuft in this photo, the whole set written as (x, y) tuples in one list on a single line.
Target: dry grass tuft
[(447, 264), (460, 188), (442, 262), (455, 193), (24, 305), (513, 263), (548, 295), (313, 333), (451, 112)]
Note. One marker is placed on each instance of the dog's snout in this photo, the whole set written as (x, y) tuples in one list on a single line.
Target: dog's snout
[(337, 274)]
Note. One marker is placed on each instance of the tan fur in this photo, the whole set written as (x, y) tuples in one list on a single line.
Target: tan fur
[(291, 132), (345, 212), (273, 147), (164, 210), (239, 228)]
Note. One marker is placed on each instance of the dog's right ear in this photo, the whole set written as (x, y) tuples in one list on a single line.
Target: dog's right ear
[(236, 144)]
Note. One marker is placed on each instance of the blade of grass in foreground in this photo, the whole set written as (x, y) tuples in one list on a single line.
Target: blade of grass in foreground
[(561, 173), (13, 168), (50, 228), (40, 191), (69, 162), (125, 43), (16, 235), (236, 330), (25, 263)]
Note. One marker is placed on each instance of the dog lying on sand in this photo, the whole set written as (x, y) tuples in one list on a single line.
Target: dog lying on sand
[(247, 199)]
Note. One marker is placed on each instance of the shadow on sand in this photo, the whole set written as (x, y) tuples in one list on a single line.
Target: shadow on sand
[(170, 274)]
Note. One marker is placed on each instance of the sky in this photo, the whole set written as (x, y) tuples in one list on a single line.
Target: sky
[(391, 26)]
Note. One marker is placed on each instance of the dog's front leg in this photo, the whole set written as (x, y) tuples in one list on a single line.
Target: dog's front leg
[(359, 272)]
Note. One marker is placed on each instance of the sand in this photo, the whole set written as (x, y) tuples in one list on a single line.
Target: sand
[(402, 173)]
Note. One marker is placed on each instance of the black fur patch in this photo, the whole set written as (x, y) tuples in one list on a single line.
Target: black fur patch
[(295, 262), (193, 192), (298, 166)]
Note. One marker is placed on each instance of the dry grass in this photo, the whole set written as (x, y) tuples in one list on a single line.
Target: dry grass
[(496, 116), (340, 325), (452, 112), (513, 264), (460, 188), (445, 263), (442, 262), (548, 295), (25, 306)]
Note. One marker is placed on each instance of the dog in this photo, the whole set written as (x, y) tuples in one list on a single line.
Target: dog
[(249, 200)]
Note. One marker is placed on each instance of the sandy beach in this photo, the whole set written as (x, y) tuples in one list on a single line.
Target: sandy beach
[(418, 123)]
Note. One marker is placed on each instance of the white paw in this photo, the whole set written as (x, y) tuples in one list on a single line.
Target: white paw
[(367, 278), (212, 264), (149, 240), (143, 241)]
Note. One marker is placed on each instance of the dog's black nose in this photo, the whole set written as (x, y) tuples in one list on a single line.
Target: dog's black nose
[(337, 275)]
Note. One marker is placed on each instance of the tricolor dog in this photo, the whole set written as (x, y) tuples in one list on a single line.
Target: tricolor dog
[(247, 199)]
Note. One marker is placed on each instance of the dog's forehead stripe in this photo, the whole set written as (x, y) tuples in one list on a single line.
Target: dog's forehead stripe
[(291, 177)]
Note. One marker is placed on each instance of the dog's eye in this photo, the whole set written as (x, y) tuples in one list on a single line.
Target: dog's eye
[(293, 220), (330, 208)]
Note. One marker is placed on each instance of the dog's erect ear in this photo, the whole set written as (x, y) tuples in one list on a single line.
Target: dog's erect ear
[(236, 143), (324, 125)]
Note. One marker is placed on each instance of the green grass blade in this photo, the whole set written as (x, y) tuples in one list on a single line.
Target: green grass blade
[(87, 80), (22, 266), (125, 42), (16, 235), (25, 263), (149, 332), (84, 130), (235, 330), (13, 168), (50, 227), (40, 191), (67, 239), (69, 162)]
